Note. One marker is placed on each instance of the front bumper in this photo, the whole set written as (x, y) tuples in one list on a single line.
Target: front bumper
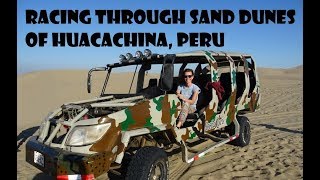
[(58, 162)]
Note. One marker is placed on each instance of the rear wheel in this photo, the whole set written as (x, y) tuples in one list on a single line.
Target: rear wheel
[(148, 163), (244, 134)]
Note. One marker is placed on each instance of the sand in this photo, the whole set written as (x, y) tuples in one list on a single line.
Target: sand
[(275, 150)]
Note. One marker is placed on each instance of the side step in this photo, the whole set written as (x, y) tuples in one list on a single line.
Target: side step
[(184, 148)]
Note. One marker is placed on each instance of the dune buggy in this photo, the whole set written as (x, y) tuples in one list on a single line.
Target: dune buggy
[(87, 139)]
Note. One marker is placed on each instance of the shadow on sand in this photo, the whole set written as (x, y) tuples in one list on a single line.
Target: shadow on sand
[(25, 134), (42, 176), (270, 126)]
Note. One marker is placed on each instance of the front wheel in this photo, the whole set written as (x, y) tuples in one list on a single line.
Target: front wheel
[(148, 163)]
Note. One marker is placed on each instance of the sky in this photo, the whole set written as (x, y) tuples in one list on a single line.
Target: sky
[(271, 45)]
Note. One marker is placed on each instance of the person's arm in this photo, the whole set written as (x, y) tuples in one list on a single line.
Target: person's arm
[(193, 99), (196, 91), (178, 93)]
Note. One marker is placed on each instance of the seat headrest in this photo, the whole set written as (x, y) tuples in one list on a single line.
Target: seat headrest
[(153, 82)]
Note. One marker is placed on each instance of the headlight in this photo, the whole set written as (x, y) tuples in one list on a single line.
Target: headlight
[(83, 135)]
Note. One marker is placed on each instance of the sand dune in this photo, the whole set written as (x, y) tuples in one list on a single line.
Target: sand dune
[(275, 150)]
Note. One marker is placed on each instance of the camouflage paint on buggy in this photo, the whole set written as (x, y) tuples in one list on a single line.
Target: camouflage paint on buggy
[(121, 118)]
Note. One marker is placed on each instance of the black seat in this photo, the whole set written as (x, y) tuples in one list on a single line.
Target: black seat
[(152, 90), (200, 109), (192, 118), (225, 80), (241, 85), (153, 82)]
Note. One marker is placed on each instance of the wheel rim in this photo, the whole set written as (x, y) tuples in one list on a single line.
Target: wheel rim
[(157, 171)]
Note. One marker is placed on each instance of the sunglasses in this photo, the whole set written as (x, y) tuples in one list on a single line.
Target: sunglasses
[(189, 76)]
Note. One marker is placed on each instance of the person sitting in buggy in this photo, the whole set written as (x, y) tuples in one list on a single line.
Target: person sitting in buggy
[(188, 94)]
